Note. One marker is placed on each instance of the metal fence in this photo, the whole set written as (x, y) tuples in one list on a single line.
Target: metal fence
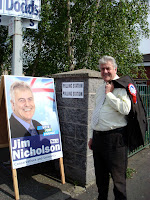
[(145, 95)]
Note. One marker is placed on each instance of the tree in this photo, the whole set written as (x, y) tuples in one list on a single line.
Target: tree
[(121, 37), (74, 34), (5, 50), (46, 49), (118, 26)]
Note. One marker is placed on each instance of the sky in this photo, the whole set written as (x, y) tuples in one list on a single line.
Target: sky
[(145, 43)]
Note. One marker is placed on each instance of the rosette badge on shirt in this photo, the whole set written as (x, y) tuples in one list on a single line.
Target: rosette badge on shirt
[(132, 91)]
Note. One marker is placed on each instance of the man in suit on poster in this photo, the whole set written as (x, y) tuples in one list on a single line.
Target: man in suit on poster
[(23, 107)]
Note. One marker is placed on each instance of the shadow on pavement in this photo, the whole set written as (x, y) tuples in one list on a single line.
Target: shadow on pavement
[(40, 181)]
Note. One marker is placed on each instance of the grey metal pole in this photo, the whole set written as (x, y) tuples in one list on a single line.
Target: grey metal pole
[(17, 66)]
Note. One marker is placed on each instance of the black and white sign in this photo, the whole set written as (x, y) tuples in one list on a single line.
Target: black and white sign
[(73, 90), (26, 23)]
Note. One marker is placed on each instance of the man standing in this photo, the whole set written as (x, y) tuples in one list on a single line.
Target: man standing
[(23, 106), (108, 123)]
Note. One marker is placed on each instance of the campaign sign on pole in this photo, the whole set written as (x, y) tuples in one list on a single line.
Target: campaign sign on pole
[(21, 8), (32, 120)]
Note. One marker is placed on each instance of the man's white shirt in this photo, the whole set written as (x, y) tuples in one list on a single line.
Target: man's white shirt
[(113, 112)]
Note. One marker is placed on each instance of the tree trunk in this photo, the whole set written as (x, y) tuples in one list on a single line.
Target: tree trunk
[(91, 35), (70, 39)]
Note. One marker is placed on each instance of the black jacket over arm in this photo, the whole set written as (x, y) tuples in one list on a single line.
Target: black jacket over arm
[(137, 122)]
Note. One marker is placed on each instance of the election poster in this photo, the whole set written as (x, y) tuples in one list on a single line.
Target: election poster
[(32, 120)]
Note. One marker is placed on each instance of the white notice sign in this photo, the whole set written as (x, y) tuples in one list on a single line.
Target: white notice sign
[(72, 89), (26, 23)]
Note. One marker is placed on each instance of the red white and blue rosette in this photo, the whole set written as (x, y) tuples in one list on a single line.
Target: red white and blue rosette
[(133, 92)]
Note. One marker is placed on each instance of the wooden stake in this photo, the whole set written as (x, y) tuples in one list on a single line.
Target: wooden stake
[(62, 170), (15, 183)]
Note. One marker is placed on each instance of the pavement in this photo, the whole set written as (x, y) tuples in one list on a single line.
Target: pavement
[(42, 183)]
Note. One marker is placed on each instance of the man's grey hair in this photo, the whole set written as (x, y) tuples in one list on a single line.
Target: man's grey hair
[(21, 85), (105, 59)]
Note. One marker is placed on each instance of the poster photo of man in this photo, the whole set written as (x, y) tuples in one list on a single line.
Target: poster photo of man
[(23, 107), (33, 120)]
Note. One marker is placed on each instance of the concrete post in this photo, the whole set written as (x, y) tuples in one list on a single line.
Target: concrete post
[(17, 67), (75, 117)]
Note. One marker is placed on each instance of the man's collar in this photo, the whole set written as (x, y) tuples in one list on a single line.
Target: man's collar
[(116, 77)]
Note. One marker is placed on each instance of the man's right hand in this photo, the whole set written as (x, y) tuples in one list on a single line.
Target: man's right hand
[(109, 87), (90, 143)]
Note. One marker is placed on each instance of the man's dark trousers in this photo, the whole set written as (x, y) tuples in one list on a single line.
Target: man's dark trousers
[(110, 158)]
